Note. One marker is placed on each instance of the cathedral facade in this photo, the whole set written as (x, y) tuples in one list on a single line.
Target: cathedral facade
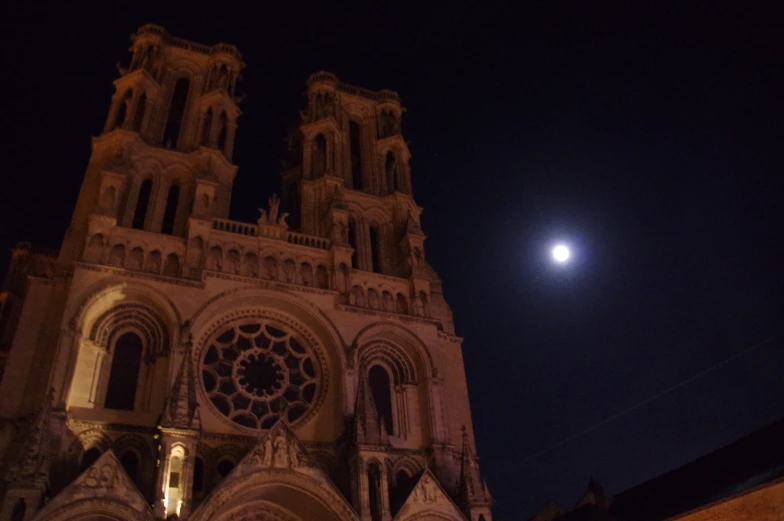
[(169, 362)]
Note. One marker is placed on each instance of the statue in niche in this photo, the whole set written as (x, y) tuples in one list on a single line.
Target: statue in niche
[(267, 460), (281, 455), (274, 205), (339, 232), (389, 123), (204, 208), (293, 456)]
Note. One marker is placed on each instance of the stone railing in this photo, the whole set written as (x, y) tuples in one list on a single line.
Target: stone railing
[(226, 225), (307, 240)]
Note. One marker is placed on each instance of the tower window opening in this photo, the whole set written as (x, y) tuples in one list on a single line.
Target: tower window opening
[(355, 142), (20, 508), (375, 248), (138, 116), (319, 156), (352, 237), (142, 203), (122, 109), (176, 113), (170, 212), (124, 374), (392, 175), (222, 133), (206, 128), (380, 388)]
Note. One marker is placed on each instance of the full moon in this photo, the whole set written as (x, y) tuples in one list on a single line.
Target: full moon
[(561, 253)]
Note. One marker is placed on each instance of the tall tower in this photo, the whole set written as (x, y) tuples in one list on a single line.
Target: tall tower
[(176, 362)]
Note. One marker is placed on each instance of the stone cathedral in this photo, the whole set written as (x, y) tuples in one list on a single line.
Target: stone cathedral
[(170, 363)]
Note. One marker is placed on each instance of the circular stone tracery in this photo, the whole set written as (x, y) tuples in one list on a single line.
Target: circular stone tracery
[(256, 373)]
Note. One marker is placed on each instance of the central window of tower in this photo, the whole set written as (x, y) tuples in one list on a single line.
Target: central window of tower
[(355, 141)]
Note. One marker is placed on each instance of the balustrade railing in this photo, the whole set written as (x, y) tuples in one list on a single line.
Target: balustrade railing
[(225, 225)]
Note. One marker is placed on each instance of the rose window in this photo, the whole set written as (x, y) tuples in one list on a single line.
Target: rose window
[(256, 373)]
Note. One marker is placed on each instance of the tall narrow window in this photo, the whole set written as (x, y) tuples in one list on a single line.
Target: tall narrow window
[(20, 508), (138, 116), (319, 159), (222, 133), (378, 378), (352, 238), (391, 169), (170, 212), (355, 142), (123, 377), (130, 462), (206, 128), (122, 109), (176, 113), (198, 475), (174, 486), (142, 202), (374, 491), (375, 248)]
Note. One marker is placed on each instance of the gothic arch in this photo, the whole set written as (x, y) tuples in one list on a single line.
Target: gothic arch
[(386, 333), (290, 492), (95, 509), (399, 364)]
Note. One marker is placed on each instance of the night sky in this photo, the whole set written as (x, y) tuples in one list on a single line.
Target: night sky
[(649, 136)]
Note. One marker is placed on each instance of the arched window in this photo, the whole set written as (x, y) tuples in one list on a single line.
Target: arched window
[(88, 458), (355, 142), (176, 112), (319, 156), (390, 167), (138, 116), (124, 374), (224, 467), (198, 475), (223, 125), (122, 109), (20, 508), (380, 388), (170, 212), (142, 203), (206, 128), (130, 462), (374, 490), (375, 248), (352, 239), (174, 485)]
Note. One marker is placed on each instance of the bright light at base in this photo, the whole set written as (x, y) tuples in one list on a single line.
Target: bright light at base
[(561, 253)]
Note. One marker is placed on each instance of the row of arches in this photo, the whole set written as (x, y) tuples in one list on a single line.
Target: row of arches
[(322, 159), (135, 259), (386, 302)]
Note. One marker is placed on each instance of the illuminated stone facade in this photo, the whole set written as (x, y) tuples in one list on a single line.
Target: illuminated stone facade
[(170, 361)]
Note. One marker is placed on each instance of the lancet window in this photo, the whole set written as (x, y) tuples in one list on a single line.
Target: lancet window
[(124, 373)]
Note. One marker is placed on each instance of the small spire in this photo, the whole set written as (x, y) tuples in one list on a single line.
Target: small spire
[(368, 425), (472, 488), (181, 410)]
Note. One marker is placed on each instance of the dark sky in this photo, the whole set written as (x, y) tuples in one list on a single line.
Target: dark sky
[(648, 135)]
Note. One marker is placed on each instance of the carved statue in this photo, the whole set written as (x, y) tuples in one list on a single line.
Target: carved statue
[(281, 456), (293, 456), (274, 204), (262, 216), (267, 461), (282, 220)]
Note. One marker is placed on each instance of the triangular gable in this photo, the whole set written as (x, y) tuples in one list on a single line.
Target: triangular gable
[(428, 496), (104, 479), (280, 450)]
